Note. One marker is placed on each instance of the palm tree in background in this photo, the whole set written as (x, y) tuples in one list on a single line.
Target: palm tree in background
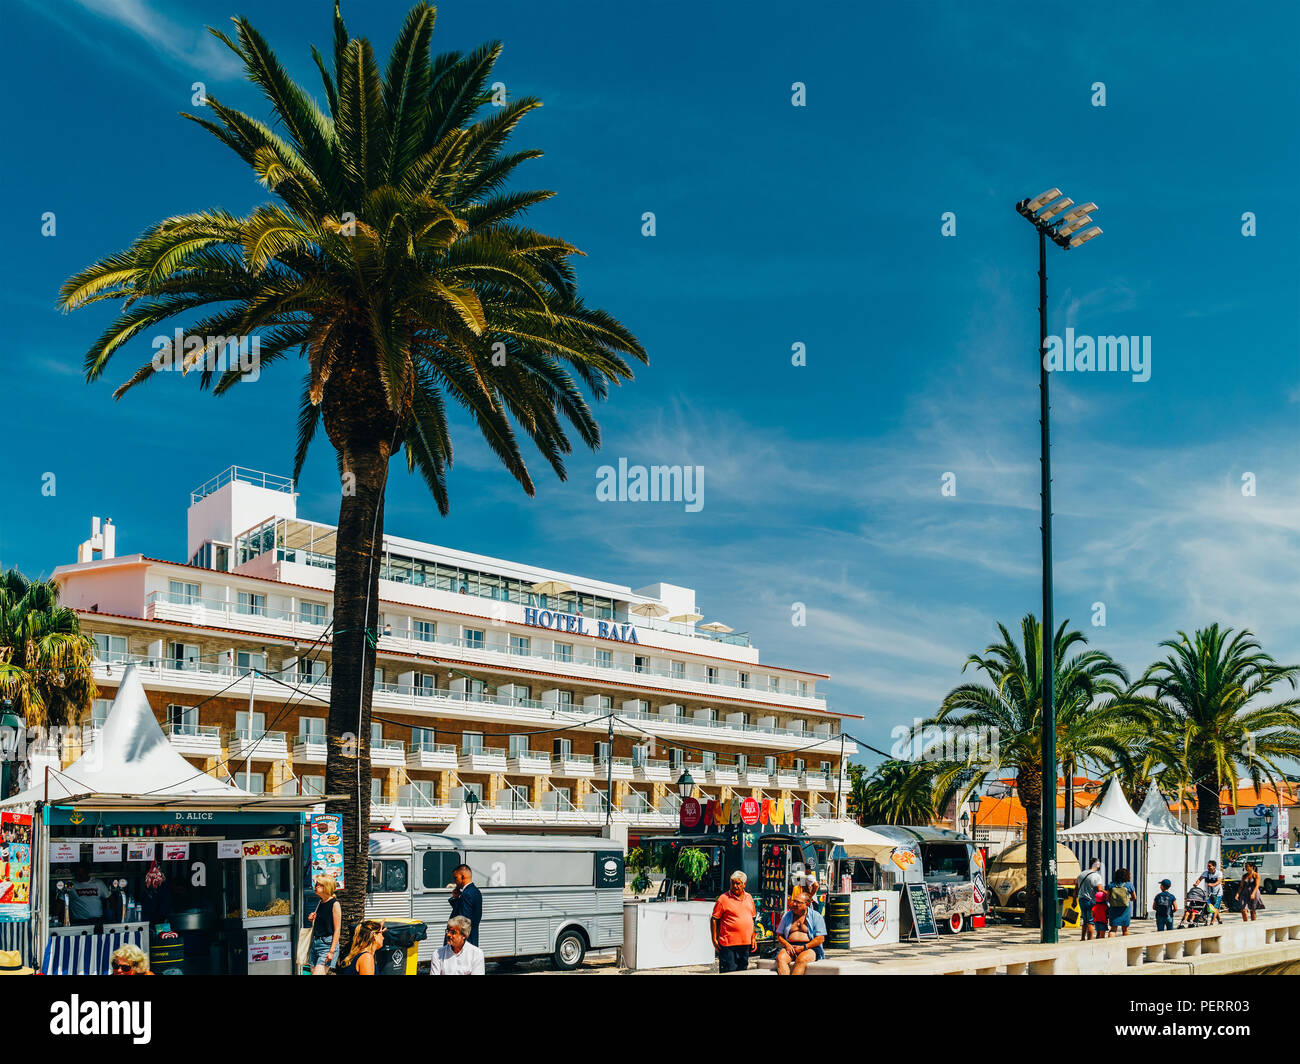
[(1201, 714), (394, 263), (45, 660), (1092, 719), (897, 792)]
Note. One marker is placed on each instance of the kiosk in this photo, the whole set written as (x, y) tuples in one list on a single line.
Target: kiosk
[(199, 874)]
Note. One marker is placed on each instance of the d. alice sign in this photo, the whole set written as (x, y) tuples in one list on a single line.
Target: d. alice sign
[(575, 624)]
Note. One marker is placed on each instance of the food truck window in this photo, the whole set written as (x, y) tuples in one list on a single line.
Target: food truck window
[(864, 872), (387, 877), (438, 866), (520, 868), (266, 886), (946, 859)]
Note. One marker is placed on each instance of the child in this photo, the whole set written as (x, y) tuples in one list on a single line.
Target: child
[(1165, 905), (1100, 914)]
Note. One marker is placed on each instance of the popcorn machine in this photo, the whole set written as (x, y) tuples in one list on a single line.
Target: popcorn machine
[(259, 892)]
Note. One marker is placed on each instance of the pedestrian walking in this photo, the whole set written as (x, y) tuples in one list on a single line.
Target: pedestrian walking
[(733, 926), (1100, 912), (366, 940), (467, 900), (1248, 893), (1119, 901), (457, 956), (326, 921), (1164, 906), (1086, 885), (1212, 877)]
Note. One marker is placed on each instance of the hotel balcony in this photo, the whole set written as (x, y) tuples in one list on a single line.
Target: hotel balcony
[(816, 781), (388, 753), (309, 750), (258, 746), (726, 774), (620, 770), (529, 763), (522, 816), (757, 777), (653, 770), (573, 765), (196, 740), (438, 756), (787, 779), (484, 761)]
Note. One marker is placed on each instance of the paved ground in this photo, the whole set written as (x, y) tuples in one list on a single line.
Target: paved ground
[(1285, 901)]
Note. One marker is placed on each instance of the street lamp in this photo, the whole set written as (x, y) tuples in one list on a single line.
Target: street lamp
[(685, 784), (1065, 230), (10, 725), (471, 803)]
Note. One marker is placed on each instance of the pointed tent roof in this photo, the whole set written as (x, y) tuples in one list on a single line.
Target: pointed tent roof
[(1156, 812), (1112, 815), (460, 824), (131, 757)]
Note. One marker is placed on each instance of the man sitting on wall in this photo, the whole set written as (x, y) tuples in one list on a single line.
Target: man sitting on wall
[(801, 933)]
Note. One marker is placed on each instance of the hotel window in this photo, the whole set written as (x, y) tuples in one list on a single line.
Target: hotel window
[(742, 762), (376, 735), (800, 764), (310, 669), (250, 726), (826, 769), (110, 647), (183, 656), (774, 683), (474, 638), (605, 701), (709, 759), (182, 720), (641, 663), (376, 790), (640, 755), (248, 660), (312, 729), (251, 602), (564, 698), (563, 651), (425, 631), (312, 784), (679, 670), (605, 659), (562, 748), (313, 613), (417, 793), (253, 782), (769, 765), (803, 688), (713, 674), (99, 711), (676, 758), (379, 677), (426, 683), (602, 752), (521, 694), (558, 798), (475, 690), (520, 644), (183, 594), (471, 743), (423, 738), (518, 745), (743, 680)]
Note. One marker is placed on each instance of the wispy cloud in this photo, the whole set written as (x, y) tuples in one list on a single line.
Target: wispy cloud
[(188, 46)]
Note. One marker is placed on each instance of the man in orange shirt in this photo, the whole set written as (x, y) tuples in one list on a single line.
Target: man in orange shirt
[(733, 926)]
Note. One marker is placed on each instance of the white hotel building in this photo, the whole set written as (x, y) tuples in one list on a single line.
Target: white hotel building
[(492, 676)]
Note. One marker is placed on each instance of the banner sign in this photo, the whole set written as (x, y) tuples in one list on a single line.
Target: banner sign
[(15, 866), (784, 815), (107, 852), (140, 851), (327, 847)]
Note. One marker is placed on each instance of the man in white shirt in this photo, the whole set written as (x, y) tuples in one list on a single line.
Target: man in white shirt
[(86, 897), (459, 956), (1090, 881)]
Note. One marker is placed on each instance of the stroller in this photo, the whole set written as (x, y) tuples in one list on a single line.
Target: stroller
[(1199, 910)]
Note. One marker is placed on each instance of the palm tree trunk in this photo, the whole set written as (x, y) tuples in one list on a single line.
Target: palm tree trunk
[(1029, 785), (1069, 793), (356, 621), (1208, 814)]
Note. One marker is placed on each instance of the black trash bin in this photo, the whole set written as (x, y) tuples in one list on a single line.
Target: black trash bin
[(397, 956)]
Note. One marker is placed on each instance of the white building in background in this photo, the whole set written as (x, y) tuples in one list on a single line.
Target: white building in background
[(492, 676)]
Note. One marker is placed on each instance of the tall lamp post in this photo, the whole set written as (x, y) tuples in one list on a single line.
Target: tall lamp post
[(9, 728), (1058, 219)]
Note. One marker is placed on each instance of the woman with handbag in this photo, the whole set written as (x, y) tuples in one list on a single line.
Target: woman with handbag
[(325, 925)]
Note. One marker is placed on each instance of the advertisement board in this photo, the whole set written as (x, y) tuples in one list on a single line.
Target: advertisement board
[(15, 866)]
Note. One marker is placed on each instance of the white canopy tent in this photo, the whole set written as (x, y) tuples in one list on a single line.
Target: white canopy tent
[(1151, 844), (460, 825)]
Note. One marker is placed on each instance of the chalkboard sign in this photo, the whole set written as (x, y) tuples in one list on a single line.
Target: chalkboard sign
[(917, 911)]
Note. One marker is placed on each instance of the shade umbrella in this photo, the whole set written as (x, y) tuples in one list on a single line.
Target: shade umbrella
[(648, 609), (552, 587), (715, 626), (688, 618)]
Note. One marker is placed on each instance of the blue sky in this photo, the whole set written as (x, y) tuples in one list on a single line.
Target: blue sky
[(775, 225)]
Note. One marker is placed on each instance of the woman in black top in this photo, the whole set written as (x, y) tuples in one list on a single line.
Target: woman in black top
[(367, 938), (325, 923)]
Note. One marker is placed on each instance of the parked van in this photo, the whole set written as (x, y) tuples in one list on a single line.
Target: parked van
[(1275, 870), (947, 863), (542, 895)]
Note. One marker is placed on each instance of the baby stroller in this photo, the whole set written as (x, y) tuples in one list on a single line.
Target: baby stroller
[(1200, 910)]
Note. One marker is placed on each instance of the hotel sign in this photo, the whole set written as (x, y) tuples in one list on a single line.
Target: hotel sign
[(575, 624)]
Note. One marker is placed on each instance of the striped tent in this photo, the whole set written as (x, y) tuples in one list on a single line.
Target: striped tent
[(17, 935), (87, 954), (1116, 835)]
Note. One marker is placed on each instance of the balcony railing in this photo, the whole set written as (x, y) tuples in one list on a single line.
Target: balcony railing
[(244, 476), (310, 749)]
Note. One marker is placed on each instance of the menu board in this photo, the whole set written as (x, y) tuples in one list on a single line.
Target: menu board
[(917, 914), (327, 847), (15, 866)]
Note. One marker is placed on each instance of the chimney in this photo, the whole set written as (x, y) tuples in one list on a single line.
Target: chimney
[(102, 539)]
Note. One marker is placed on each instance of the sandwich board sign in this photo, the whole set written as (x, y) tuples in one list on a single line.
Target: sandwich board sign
[(917, 915)]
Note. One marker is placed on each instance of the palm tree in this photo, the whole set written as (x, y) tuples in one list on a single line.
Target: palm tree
[(394, 262), (897, 792), (1092, 720), (1201, 712), (45, 660)]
